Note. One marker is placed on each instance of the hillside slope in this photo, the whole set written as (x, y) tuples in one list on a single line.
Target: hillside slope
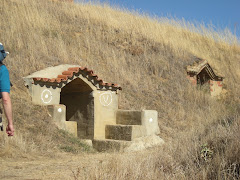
[(147, 57)]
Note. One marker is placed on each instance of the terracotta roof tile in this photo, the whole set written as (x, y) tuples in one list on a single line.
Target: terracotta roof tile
[(52, 80), (70, 72), (199, 65), (58, 80), (74, 69), (45, 79)]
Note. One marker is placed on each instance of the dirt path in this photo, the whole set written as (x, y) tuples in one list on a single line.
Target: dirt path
[(63, 166)]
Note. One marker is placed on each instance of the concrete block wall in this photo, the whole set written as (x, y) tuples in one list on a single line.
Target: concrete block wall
[(105, 107), (43, 95), (134, 130), (58, 114), (149, 119), (124, 132), (133, 124)]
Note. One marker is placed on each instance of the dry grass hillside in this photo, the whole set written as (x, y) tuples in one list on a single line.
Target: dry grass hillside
[(147, 57)]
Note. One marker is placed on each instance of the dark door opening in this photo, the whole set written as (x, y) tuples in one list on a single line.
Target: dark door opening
[(203, 77), (79, 102)]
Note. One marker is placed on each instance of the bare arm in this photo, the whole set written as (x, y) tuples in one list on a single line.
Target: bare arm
[(7, 106)]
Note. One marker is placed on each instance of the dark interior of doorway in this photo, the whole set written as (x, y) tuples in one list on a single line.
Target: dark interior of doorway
[(78, 99)]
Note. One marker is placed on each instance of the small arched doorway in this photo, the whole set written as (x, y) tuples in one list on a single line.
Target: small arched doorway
[(78, 98), (203, 77)]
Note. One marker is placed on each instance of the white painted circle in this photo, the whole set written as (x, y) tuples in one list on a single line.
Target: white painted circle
[(59, 109), (105, 98), (46, 96), (151, 120)]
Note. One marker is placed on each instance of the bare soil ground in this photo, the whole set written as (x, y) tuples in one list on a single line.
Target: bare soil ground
[(61, 166)]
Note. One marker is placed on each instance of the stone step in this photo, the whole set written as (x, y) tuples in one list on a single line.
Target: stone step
[(124, 132), (138, 144), (128, 117), (110, 145)]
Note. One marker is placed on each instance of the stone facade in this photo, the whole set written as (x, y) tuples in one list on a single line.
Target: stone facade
[(83, 97), (200, 73), (87, 107)]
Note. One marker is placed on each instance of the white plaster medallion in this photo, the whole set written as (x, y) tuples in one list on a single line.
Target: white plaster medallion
[(59, 109), (105, 98), (46, 96), (151, 120)]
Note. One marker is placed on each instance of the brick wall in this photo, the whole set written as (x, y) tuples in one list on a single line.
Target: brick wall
[(193, 79), (215, 87)]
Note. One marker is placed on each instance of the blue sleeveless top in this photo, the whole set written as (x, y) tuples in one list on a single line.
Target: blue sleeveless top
[(4, 79)]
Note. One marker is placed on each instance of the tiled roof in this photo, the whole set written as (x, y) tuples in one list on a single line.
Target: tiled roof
[(76, 71), (199, 65)]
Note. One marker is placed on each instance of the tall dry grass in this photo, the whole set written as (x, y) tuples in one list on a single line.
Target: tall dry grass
[(148, 58)]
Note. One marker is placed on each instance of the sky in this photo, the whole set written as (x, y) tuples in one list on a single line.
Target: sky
[(220, 13)]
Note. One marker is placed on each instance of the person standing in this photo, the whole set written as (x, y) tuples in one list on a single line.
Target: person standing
[(5, 93)]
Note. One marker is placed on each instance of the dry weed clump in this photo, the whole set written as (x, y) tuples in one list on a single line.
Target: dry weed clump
[(148, 58)]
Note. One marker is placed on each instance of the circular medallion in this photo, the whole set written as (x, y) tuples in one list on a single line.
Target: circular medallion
[(46, 96), (105, 98)]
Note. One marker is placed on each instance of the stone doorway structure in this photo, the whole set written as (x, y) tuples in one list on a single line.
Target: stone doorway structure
[(201, 73), (87, 107), (85, 102)]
